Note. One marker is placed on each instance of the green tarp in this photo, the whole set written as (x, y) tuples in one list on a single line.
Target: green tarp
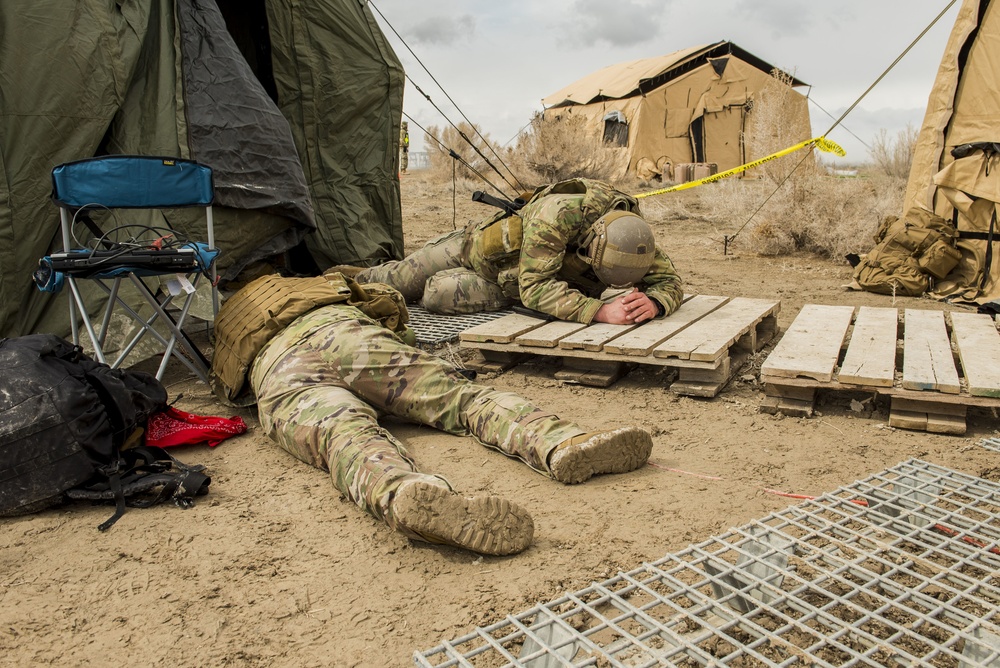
[(315, 159)]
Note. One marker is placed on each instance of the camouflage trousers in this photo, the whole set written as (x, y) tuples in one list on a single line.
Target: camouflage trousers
[(440, 278), (322, 383)]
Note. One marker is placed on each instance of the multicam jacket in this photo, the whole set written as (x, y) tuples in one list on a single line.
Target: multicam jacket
[(535, 255)]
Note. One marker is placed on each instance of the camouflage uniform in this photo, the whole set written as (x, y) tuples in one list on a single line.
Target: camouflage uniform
[(322, 382), (533, 257), (404, 146)]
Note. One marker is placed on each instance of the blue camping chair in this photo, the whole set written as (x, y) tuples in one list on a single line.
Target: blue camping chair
[(133, 253)]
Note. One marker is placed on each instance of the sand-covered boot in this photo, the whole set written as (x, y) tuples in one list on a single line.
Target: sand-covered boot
[(485, 524), (617, 451)]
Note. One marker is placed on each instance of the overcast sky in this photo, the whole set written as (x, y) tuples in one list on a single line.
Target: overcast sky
[(498, 58)]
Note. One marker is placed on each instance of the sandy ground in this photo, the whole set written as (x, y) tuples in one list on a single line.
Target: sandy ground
[(273, 568)]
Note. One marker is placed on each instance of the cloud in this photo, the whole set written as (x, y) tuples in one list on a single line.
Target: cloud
[(623, 23), (443, 30)]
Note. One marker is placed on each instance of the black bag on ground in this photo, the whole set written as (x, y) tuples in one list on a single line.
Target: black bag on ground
[(72, 428)]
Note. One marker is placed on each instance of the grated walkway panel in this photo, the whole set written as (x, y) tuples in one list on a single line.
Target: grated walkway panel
[(991, 444), (899, 569), (433, 328)]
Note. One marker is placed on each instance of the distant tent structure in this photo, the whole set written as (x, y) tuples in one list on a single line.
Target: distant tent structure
[(295, 106), (688, 106), (956, 164)]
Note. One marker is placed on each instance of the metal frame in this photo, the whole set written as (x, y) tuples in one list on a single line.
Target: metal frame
[(127, 197), (900, 569)]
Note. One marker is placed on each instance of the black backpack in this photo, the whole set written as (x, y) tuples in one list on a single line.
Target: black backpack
[(72, 428)]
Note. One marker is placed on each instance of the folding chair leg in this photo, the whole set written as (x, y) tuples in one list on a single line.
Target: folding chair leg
[(78, 298), (146, 325), (178, 335), (106, 322)]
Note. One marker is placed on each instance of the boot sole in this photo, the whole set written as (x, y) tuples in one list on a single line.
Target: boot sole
[(618, 451), (484, 524)]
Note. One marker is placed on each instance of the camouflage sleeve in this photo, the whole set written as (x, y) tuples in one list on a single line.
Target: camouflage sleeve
[(663, 285), (547, 228)]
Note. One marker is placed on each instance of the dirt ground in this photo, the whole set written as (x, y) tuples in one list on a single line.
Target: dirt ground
[(274, 568)]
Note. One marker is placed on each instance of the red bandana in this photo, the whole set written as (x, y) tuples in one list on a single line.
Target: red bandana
[(175, 427)]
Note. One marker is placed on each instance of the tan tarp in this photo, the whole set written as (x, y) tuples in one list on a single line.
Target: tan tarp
[(679, 107), (963, 108)]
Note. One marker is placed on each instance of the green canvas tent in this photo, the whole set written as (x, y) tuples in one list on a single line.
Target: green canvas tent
[(295, 106), (964, 109)]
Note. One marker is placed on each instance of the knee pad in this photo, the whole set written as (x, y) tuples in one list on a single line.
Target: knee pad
[(461, 290)]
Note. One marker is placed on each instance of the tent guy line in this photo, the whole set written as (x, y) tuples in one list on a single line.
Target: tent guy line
[(891, 66), (519, 186)]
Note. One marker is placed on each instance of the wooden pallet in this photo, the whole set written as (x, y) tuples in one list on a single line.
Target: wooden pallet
[(933, 365), (707, 340)]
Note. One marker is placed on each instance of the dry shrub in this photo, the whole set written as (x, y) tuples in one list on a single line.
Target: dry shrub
[(793, 205), (478, 158), (894, 156), (561, 148), (774, 123), (547, 151)]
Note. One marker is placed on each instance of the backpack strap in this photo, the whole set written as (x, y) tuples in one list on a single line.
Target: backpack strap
[(144, 476)]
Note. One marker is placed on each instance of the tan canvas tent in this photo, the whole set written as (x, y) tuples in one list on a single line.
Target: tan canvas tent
[(956, 164), (688, 106)]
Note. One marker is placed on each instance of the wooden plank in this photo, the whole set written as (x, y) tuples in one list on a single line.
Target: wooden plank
[(907, 419), (586, 354), (936, 407), (811, 345), (895, 391), (871, 354), (590, 372), (594, 337), (978, 344), (549, 334), (502, 330), (928, 363), (710, 337), (702, 383), (495, 362), (790, 392), (642, 339), (787, 406), (946, 424), (932, 416)]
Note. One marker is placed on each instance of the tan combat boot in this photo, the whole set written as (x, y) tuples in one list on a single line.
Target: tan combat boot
[(486, 524), (583, 456)]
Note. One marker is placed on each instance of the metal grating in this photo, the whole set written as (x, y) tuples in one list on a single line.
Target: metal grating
[(900, 569), (433, 328), (991, 444)]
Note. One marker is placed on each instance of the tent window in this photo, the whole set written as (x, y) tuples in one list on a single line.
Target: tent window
[(615, 129), (719, 65)]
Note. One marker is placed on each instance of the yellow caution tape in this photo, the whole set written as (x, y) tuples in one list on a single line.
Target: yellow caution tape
[(822, 143)]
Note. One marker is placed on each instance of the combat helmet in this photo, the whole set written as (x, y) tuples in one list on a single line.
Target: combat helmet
[(621, 248)]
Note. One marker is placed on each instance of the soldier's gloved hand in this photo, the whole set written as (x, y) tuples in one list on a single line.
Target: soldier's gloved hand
[(632, 308)]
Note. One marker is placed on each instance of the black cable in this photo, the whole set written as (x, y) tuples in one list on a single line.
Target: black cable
[(519, 186), (892, 65), (729, 238), (465, 137), (846, 129), (456, 156)]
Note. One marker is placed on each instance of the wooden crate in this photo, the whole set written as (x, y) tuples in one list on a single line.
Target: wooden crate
[(933, 365), (707, 340)]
